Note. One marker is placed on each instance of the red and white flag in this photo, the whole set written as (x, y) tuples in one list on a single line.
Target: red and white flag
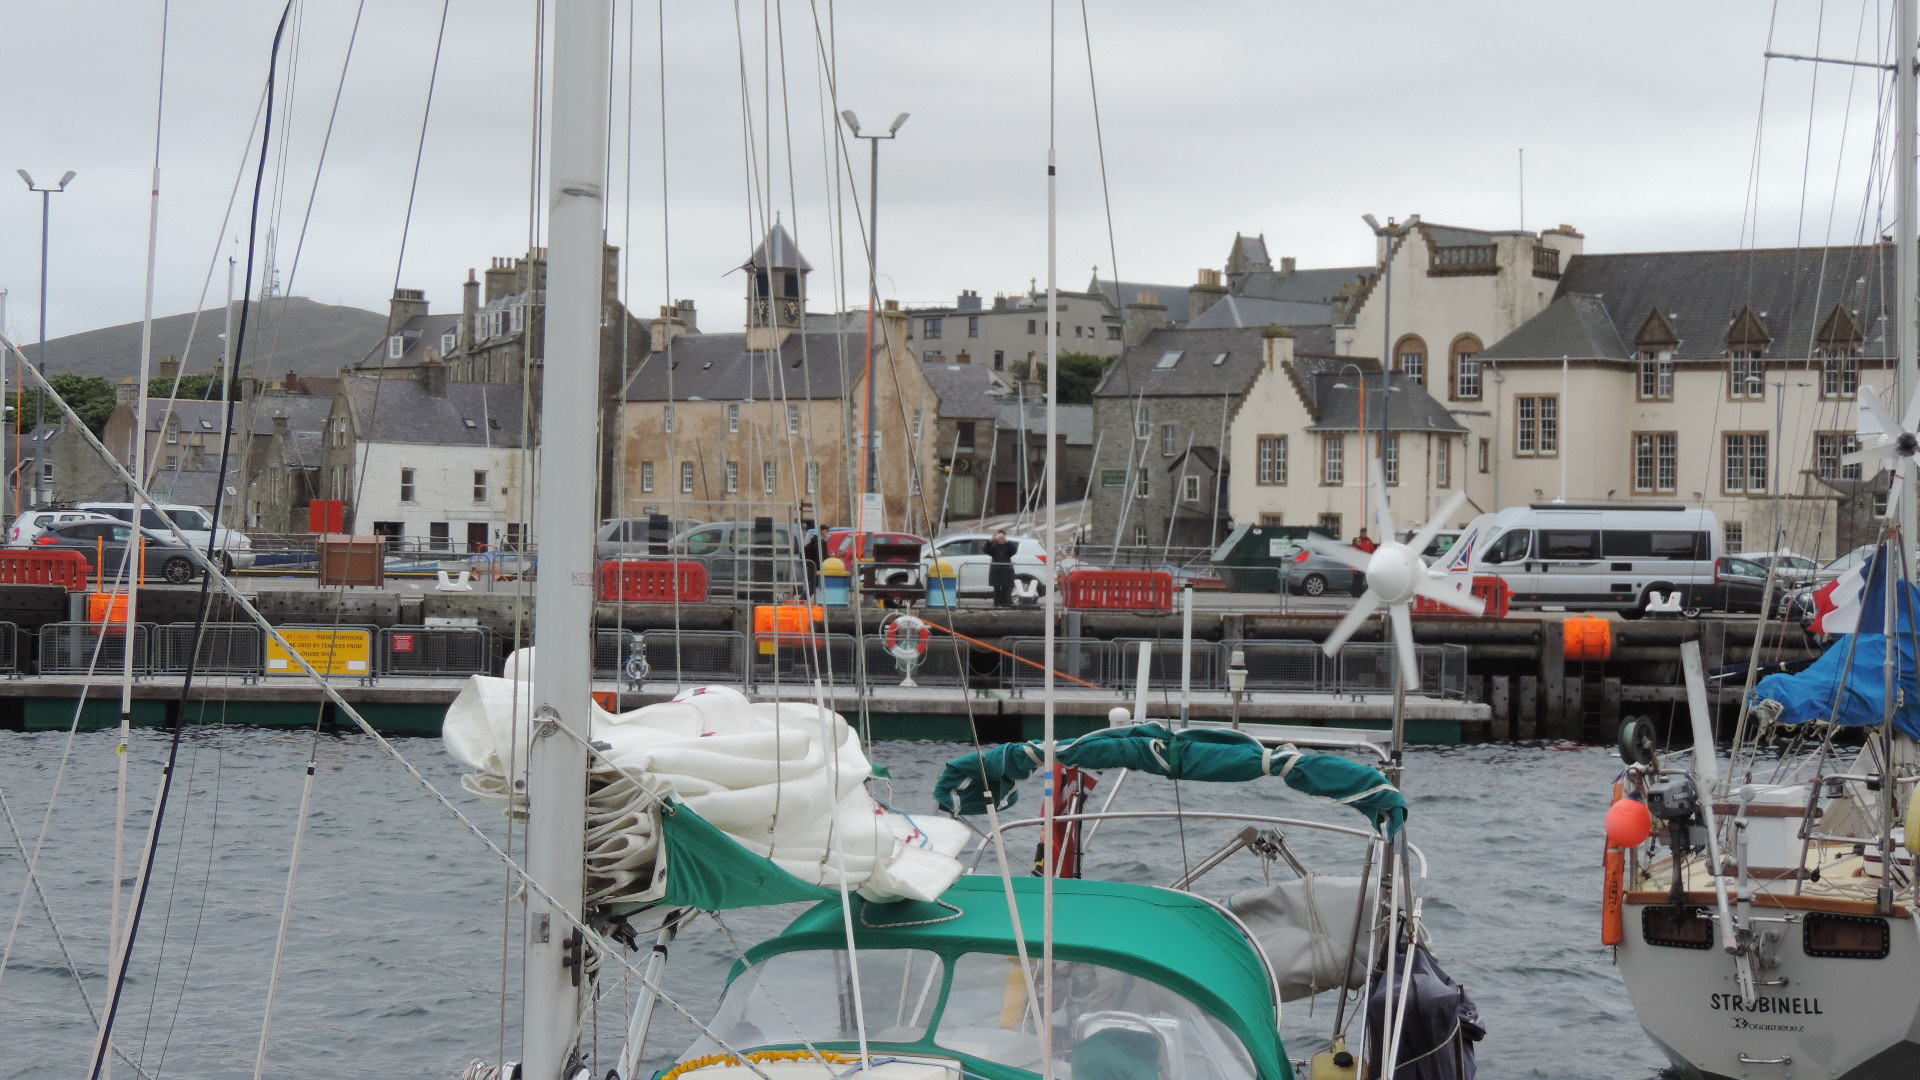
[(1839, 604)]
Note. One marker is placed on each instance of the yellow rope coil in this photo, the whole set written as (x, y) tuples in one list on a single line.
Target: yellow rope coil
[(759, 1057)]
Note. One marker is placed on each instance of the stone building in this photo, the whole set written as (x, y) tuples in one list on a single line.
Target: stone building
[(1011, 335)]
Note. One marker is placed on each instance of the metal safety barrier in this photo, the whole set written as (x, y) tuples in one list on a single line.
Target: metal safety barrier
[(10, 659), (827, 657), (612, 647), (91, 648), (691, 656), (436, 650), (1368, 668), (1285, 665), (212, 648), (941, 665), (1090, 659), (1209, 670)]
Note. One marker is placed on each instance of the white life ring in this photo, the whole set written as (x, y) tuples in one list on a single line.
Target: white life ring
[(906, 637)]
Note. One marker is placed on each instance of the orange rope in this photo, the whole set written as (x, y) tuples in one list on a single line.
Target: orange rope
[(1003, 652)]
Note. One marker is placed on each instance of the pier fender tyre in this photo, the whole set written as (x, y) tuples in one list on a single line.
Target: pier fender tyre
[(1314, 585), (178, 570)]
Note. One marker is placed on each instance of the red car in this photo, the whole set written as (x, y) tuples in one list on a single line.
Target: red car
[(840, 544)]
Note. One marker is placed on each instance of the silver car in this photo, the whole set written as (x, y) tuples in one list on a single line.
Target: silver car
[(739, 563), (1317, 575)]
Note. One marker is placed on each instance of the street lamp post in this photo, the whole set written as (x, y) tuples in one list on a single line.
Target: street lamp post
[(40, 358), (1386, 342), (871, 484), (1362, 376)]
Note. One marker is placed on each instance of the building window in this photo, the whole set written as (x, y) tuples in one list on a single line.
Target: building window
[(1169, 440), (1839, 374), (813, 478), (999, 359), (646, 476), (919, 417), (733, 478), (1332, 468), (1828, 448), (1735, 535), (1656, 376), (1192, 486), (769, 476), (1655, 455), (448, 342), (1536, 426), (963, 437), (1410, 358), (1142, 486), (1746, 459), (1330, 526), (1169, 359), (518, 313), (733, 419), (1443, 462), (1139, 536), (406, 485), (686, 478), (437, 536), (1746, 375), (930, 328), (1033, 326), (479, 485), (515, 534), (1486, 453), (1113, 333), (1465, 363), (973, 326), (793, 419), (1273, 459), (666, 418), (396, 347), (1143, 422), (1393, 459)]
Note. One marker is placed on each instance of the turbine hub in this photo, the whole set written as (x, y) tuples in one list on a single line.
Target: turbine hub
[(1907, 443), (1394, 573)]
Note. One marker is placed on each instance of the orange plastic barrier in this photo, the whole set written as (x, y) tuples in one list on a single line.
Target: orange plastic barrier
[(1492, 590), (652, 581), (785, 624), (1589, 637), (1118, 590), (67, 568)]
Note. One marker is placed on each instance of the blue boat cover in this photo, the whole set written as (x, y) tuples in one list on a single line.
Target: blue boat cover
[(1847, 685), (970, 782)]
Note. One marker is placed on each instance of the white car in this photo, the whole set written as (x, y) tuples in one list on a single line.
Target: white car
[(234, 548), (964, 552), (29, 526)]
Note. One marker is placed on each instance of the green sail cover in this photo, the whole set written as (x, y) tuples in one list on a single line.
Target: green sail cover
[(970, 782), (709, 870)]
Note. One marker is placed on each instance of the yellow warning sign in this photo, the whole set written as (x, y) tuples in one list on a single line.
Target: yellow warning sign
[(331, 652)]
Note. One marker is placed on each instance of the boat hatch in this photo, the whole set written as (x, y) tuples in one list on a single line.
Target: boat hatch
[(1856, 937), (1684, 928)]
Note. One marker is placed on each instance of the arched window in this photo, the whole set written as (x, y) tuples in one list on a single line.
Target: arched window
[(1463, 366), (1410, 358)]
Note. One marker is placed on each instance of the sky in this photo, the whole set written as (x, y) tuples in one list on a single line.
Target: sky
[(1637, 123)]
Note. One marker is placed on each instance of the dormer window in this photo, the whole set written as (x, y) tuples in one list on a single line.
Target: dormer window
[(1169, 358), (448, 341), (396, 347)]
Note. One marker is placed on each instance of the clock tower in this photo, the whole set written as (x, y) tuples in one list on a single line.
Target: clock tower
[(776, 287)]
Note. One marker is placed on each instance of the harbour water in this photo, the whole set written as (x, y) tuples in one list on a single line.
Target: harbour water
[(393, 960)]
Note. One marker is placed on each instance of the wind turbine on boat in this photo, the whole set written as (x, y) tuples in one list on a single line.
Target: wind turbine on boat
[(1898, 440), (1395, 574)]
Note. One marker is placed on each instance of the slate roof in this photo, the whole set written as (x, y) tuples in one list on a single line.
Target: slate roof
[(304, 412), (1410, 408), (1172, 297), (717, 367), (1312, 286), (1793, 291), (1074, 421), (189, 415), (777, 252), (401, 411), (304, 447), (1455, 236), (1240, 311), (966, 391), (1208, 458), (1251, 249), (420, 332), (1137, 371)]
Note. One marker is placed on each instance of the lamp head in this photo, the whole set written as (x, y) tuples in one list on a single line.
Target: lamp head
[(1372, 222), (67, 179), (852, 121), (24, 175), (897, 121)]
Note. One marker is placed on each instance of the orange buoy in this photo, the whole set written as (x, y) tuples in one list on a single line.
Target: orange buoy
[(1629, 823), (1588, 637), (1613, 899)]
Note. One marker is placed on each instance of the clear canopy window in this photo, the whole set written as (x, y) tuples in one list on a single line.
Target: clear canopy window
[(808, 997)]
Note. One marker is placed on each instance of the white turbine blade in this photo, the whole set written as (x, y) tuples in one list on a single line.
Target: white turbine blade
[(1875, 415), (1902, 479), (1333, 549), (1440, 592), (1377, 480), (1437, 522), (1911, 421), (1361, 610), (1871, 453), (1403, 641)]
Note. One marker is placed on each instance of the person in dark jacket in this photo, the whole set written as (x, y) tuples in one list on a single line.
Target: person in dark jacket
[(999, 551)]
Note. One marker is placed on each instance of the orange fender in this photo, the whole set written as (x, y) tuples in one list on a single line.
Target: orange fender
[(1614, 898)]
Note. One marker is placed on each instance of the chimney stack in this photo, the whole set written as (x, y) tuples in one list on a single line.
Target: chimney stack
[(1204, 293), (169, 368), (1286, 264), (433, 377), (406, 303)]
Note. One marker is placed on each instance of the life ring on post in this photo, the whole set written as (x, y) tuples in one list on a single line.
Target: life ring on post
[(906, 637)]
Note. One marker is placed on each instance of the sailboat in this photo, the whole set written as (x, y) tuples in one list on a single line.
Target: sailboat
[(1762, 910)]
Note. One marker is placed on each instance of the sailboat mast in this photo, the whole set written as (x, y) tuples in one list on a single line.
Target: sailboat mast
[(563, 600), (1907, 306)]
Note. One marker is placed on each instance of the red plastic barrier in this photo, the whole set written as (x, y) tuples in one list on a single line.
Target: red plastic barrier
[(68, 568), (1118, 590), (1491, 589), (652, 581)]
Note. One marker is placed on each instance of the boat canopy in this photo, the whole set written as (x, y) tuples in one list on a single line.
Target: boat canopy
[(1174, 939), (1847, 685), (971, 781)]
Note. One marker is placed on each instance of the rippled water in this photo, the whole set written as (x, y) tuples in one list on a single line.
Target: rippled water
[(393, 960)]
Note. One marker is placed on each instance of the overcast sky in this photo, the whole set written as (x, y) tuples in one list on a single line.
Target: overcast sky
[(1638, 121)]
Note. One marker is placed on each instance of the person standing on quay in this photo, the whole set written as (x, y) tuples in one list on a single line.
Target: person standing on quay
[(1363, 542), (999, 551)]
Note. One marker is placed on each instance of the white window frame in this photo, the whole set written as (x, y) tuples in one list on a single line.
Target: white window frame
[(1333, 460), (733, 419), (480, 485), (686, 478), (793, 419), (409, 488), (733, 478), (769, 476), (396, 347), (1272, 457), (1169, 439), (1191, 484)]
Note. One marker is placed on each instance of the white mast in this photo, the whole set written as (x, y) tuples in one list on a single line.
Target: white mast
[(1906, 307), (563, 601)]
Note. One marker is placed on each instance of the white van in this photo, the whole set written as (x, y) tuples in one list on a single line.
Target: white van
[(195, 524), (1593, 556)]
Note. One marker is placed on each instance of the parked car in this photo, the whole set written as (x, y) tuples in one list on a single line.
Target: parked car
[(1438, 547), (233, 547), (635, 536), (1790, 570), (1317, 575), (737, 561), (1842, 564), (840, 543), (970, 562), (104, 542), (28, 526)]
